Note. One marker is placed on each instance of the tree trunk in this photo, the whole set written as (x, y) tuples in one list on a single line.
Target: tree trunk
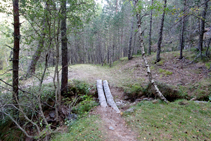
[(201, 34), (182, 39), (150, 31), (39, 49), (130, 41), (140, 34), (109, 97), (15, 65), (101, 95), (56, 72), (64, 81), (161, 33), (134, 44), (208, 45)]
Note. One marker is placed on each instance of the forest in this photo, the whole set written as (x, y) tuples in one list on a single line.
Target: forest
[(153, 56)]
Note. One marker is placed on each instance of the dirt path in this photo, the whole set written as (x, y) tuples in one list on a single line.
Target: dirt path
[(113, 125)]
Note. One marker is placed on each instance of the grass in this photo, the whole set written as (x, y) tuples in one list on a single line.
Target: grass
[(84, 129), (207, 64), (165, 72), (181, 120)]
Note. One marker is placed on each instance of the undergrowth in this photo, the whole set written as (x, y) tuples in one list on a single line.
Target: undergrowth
[(136, 91)]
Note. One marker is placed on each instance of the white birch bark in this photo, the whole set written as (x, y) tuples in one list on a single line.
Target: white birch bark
[(145, 60), (109, 97), (101, 95)]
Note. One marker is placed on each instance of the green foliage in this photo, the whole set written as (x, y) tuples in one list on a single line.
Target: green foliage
[(179, 120), (86, 104), (84, 107), (77, 87)]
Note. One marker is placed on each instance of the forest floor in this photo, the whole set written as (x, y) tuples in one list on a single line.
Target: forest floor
[(193, 79)]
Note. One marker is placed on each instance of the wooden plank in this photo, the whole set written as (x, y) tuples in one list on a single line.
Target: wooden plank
[(109, 97), (101, 95)]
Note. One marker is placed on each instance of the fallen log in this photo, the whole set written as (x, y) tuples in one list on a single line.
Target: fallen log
[(101, 95), (109, 97), (151, 80)]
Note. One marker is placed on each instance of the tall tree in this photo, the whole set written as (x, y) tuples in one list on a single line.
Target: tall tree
[(202, 26), (161, 33), (16, 49), (150, 30), (182, 39), (140, 35), (130, 40), (64, 81)]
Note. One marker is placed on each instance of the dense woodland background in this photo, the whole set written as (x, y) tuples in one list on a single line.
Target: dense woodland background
[(58, 33), (100, 33)]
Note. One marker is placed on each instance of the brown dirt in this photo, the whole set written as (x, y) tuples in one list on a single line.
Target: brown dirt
[(113, 125)]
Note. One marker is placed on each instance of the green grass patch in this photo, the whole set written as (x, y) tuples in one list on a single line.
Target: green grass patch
[(84, 129), (165, 72), (152, 67), (180, 120), (208, 64)]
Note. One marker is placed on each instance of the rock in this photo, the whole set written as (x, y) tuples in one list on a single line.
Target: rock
[(52, 114), (137, 100), (147, 99), (126, 97), (72, 116), (155, 101), (111, 128), (200, 101), (130, 110)]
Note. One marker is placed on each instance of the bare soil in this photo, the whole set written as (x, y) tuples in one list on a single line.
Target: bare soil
[(113, 126)]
